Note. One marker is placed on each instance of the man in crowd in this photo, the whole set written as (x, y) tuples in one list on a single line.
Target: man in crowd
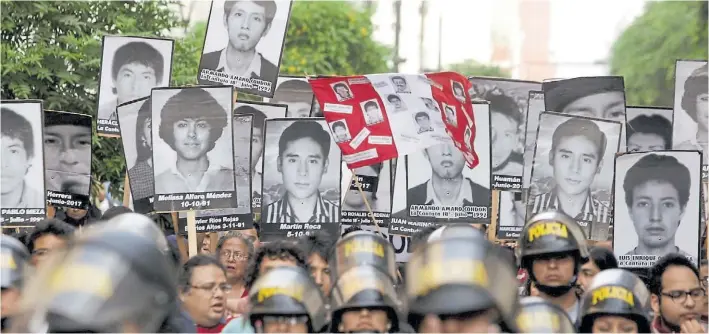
[(656, 193), (505, 119), (247, 23), (79, 217), (303, 151), (649, 133), (67, 152), (234, 252), (17, 155), (423, 121), (678, 298), (192, 135), (576, 157), (258, 120), (137, 68), (318, 246), (203, 289), (12, 272), (47, 237), (297, 94)]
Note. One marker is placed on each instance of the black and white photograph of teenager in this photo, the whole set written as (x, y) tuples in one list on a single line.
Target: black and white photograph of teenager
[(67, 152), (192, 140), (130, 68), (372, 112), (451, 115), (648, 129), (458, 90), (656, 206), (341, 131), (22, 156), (375, 181), (135, 120), (259, 112), (400, 84), (396, 102), (423, 120), (691, 109), (243, 44), (342, 91), (296, 93), (301, 173), (430, 104), (535, 106), (572, 170)]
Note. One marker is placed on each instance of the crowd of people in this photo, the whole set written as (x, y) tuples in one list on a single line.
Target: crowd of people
[(124, 273)]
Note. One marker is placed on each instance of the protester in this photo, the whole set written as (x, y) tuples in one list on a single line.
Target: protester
[(599, 259), (234, 251), (203, 288), (677, 296), (318, 246), (12, 273), (48, 236), (79, 217)]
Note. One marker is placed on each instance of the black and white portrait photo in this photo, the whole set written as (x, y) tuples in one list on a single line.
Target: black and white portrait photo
[(259, 112), (510, 214), (375, 182), (135, 120), (451, 115), (244, 43), (341, 131), (430, 104), (458, 90), (301, 186), (193, 149), (130, 68), (67, 158), (535, 106), (342, 91), (691, 107), (296, 93), (572, 170), (396, 102), (423, 121), (22, 187), (657, 199), (400, 84), (648, 129), (509, 101), (372, 112)]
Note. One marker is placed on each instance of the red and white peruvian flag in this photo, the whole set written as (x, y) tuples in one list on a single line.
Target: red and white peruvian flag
[(374, 118)]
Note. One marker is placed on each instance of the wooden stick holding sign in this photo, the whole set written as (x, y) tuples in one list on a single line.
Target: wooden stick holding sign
[(213, 239), (366, 203), (180, 239), (126, 192), (494, 217), (192, 232)]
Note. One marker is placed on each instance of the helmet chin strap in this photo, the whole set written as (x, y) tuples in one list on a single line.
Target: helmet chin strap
[(555, 291)]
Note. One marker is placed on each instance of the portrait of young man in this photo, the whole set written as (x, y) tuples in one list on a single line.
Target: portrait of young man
[(191, 122), (596, 97), (303, 160), (342, 134), (577, 149), (20, 152), (648, 133), (134, 68), (372, 112), (423, 121), (458, 90), (505, 120), (400, 84), (657, 190), (430, 104), (450, 115), (296, 94), (396, 102), (342, 91), (67, 152), (246, 23), (693, 99)]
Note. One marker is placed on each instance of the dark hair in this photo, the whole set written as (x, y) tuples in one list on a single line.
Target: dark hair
[(235, 234), (114, 212), (320, 243), (457, 84), (275, 249), (269, 8), (184, 105), (184, 279), (603, 258), (695, 84), (398, 77), (141, 53), (17, 127), (392, 97), (422, 114), (305, 129), (371, 104), (340, 84), (663, 168), (504, 105), (350, 229), (52, 226), (52, 118), (338, 124), (654, 124), (258, 117), (293, 90), (257, 228), (579, 127), (143, 148), (671, 259)]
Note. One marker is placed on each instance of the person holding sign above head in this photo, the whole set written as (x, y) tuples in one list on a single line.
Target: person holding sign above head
[(18, 150), (656, 192), (303, 150), (191, 121), (649, 133), (246, 22)]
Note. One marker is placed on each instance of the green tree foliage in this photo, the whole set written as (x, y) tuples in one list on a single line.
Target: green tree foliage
[(473, 68), (646, 51)]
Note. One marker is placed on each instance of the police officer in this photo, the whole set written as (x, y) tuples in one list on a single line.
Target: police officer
[(12, 274), (364, 298), (537, 315), (461, 285), (113, 281), (617, 302), (552, 248), (286, 300)]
